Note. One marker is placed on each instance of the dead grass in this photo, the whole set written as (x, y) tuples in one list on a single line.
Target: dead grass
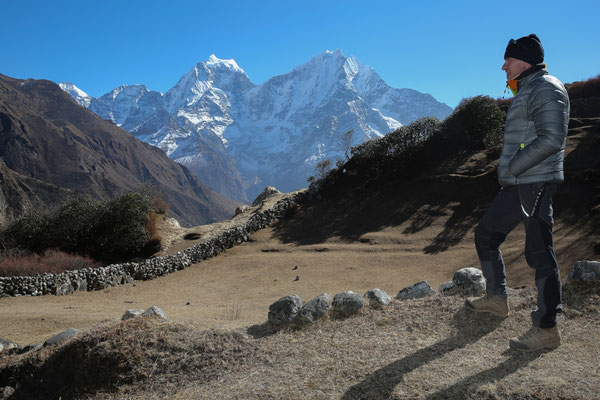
[(21, 264), (118, 356), (421, 349)]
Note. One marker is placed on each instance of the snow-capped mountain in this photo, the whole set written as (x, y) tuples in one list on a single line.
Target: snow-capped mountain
[(239, 137)]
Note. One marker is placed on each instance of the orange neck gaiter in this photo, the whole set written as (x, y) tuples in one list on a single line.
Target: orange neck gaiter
[(513, 86)]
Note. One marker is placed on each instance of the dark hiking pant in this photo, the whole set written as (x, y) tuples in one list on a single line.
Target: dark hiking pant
[(532, 204)]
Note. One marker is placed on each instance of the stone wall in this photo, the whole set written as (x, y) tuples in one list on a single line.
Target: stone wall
[(117, 274)]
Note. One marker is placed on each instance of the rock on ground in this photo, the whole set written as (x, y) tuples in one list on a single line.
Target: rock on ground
[(153, 312), (378, 298), (268, 192), (128, 314), (61, 337), (347, 303), (465, 282), (284, 310), (314, 309), (416, 291), (585, 271)]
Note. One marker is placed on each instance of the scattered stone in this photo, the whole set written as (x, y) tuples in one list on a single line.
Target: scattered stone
[(173, 222), (470, 281), (188, 303), (241, 210), (155, 312), (378, 298), (30, 347), (131, 314), (314, 309), (347, 303), (269, 191), (465, 282), (448, 288), (61, 337), (7, 392), (65, 288), (297, 278), (416, 291), (7, 345), (284, 310), (585, 271)]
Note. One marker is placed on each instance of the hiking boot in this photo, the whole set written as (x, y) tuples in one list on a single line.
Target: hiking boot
[(495, 305), (537, 339)]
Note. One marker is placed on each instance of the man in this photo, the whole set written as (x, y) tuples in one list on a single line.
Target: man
[(530, 166)]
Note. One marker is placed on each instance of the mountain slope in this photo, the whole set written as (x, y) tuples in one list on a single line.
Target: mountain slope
[(48, 141), (239, 137)]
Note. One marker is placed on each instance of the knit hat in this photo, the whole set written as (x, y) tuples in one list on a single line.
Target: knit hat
[(528, 49)]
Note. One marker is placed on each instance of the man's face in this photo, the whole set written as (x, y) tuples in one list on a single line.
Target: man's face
[(514, 67)]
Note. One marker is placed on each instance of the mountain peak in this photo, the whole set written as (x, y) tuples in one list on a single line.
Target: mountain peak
[(214, 62), (79, 95)]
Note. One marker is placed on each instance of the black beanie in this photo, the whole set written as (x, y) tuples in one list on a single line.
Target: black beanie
[(528, 49)]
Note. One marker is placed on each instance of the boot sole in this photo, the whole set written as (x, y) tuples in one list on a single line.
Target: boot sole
[(515, 346)]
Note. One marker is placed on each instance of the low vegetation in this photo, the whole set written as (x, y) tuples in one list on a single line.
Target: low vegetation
[(80, 231), (23, 263), (476, 124)]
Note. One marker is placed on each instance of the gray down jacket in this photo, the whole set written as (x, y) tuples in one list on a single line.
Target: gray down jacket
[(535, 132)]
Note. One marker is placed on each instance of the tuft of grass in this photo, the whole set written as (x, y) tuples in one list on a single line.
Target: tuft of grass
[(234, 311)]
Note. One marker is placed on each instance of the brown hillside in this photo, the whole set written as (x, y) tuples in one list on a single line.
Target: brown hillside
[(456, 191), (51, 149)]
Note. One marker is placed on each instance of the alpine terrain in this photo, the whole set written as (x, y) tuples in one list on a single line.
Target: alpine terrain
[(52, 149), (239, 137)]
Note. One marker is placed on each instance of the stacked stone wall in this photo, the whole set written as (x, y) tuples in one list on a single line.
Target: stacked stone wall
[(116, 274)]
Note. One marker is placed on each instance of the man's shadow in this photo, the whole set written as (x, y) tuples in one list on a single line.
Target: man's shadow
[(470, 327)]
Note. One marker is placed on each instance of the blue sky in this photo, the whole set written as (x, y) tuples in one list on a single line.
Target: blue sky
[(450, 49)]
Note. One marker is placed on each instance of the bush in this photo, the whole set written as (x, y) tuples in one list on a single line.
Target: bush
[(50, 261), (478, 122), (119, 230), (395, 152), (587, 88), (73, 225), (29, 232)]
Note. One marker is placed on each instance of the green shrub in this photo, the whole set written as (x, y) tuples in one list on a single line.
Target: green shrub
[(394, 153), (121, 231), (73, 226), (477, 121), (116, 231), (29, 232)]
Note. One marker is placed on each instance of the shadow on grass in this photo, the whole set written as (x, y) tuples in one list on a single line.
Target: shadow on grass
[(351, 212), (470, 328)]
